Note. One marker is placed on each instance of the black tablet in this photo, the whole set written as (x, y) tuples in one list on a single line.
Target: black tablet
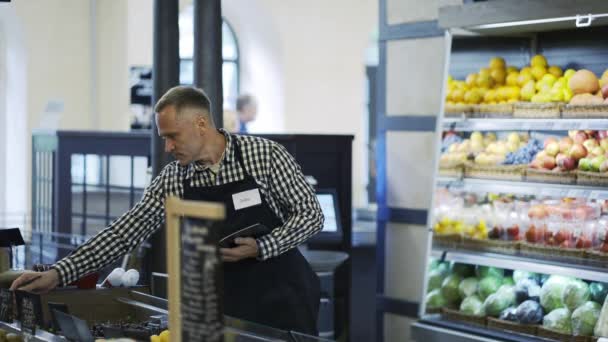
[(254, 231)]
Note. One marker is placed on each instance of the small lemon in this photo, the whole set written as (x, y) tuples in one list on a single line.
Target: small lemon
[(569, 73), (555, 71), (524, 78), (164, 336), (498, 75), (512, 69), (538, 72), (497, 63), (538, 60), (155, 338), (512, 79), (471, 80)]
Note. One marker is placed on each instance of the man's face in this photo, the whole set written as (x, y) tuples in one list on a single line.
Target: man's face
[(183, 134), (250, 112)]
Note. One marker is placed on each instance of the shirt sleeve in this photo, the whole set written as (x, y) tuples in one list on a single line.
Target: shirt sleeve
[(289, 188), (121, 236)]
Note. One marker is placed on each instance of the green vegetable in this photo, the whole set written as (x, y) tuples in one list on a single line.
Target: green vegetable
[(601, 328), (488, 286), (507, 291), (552, 292), (472, 306), (433, 264), (508, 281), (529, 312), (497, 302), (575, 294), (468, 287), (449, 288), (485, 271), (463, 270), (558, 320), (598, 292), (436, 278), (434, 300), (519, 275), (584, 318)]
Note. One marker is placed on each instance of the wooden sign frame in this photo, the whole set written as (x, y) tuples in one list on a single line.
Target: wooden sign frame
[(176, 209)]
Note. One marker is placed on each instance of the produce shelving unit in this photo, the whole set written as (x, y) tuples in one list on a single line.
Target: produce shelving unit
[(524, 19)]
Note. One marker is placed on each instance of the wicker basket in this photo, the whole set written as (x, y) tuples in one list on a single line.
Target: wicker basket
[(501, 172), (433, 311), (455, 315), (487, 245), (537, 110), (591, 178), (458, 110), (585, 111), (493, 111), (527, 248), (554, 335), (596, 256), (456, 171), (544, 176), (447, 240), (499, 324)]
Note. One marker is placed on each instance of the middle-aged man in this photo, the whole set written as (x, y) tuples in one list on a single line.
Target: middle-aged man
[(266, 280)]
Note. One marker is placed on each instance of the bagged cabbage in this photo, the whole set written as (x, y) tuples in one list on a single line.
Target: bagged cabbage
[(598, 292), (601, 327), (498, 302), (584, 318), (558, 320), (508, 281), (552, 292), (507, 291), (436, 278), (488, 286), (463, 270), (472, 306), (509, 314), (575, 294), (485, 271), (449, 288), (525, 289), (529, 312), (468, 287), (519, 275), (434, 299)]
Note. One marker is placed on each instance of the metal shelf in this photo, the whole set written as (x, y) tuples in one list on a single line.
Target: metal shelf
[(523, 188), (585, 269), (466, 125), (505, 18), (436, 329)]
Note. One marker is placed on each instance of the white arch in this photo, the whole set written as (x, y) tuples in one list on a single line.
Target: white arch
[(14, 135)]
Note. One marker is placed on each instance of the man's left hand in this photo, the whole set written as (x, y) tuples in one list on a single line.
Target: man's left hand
[(246, 248)]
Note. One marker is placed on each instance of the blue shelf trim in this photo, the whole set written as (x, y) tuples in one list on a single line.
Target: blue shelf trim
[(412, 123), (421, 29)]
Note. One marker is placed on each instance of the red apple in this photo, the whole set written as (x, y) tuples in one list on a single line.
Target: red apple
[(568, 164), (562, 235), (604, 248), (513, 232), (552, 148), (583, 242), (566, 244), (548, 141), (495, 233), (580, 137), (605, 91), (577, 151), (535, 164), (565, 144)]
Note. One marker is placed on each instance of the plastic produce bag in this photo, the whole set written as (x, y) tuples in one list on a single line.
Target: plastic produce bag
[(449, 288), (519, 275), (527, 288), (598, 292), (485, 271), (584, 318), (468, 287), (472, 306), (499, 301), (529, 312), (509, 314), (575, 294), (434, 299), (436, 278), (601, 327), (552, 292), (488, 286), (558, 320)]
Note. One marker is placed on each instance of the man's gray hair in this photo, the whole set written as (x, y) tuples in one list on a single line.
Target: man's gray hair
[(182, 97)]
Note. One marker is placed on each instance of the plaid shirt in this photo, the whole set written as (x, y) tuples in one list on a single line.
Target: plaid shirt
[(279, 178)]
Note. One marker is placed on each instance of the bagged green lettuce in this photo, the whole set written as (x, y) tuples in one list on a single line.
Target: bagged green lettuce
[(584, 318), (472, 306), (488, 286), (598, 292), (435, 300), (449, 288), (559, 320), (576, 293), (499, 301), (519, 275), (552, 292), (485, 271), (468, 287), (436, 278)]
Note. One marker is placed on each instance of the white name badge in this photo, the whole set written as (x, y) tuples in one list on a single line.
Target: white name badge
[(246, 199)]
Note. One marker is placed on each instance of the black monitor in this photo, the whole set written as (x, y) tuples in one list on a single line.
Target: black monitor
[(332, 227)]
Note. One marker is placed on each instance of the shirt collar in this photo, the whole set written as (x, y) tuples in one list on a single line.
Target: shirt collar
[(196, 166)]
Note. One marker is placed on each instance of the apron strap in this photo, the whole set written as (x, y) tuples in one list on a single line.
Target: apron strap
[(239, 155)]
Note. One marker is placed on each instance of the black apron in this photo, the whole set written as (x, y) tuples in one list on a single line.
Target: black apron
[(281, 292)]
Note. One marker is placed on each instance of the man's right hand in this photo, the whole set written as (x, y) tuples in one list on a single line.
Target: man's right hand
[(46, 282)]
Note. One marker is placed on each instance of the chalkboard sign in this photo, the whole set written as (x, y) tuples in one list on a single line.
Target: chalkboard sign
[(29, 309), (195, 270), (6, 306)]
